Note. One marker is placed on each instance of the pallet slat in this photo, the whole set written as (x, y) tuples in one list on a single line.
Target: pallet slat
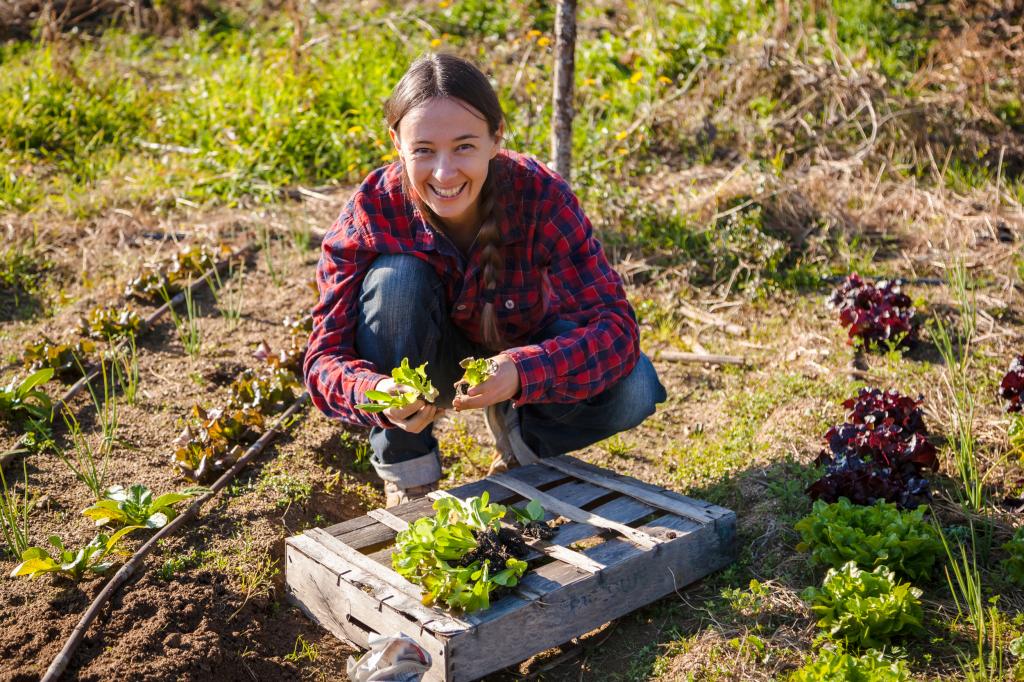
[(572, 513), (629, 487)]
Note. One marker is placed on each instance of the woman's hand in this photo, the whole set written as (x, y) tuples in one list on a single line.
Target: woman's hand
[(501, 385), (412, 418)]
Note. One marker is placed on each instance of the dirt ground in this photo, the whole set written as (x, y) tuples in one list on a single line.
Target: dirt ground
[(209, 603)]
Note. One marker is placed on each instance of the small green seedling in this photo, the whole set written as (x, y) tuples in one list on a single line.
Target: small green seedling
[(111, 323), (26, 397), (415, 379), (93, 558), (478, 370), (533, 512), (137, 507)]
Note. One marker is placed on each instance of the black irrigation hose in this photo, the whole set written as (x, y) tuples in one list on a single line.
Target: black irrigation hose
[(8, 457), (60, 663)]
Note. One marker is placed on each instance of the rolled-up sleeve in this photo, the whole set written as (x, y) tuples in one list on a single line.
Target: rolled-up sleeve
[(336, 378), (606, 344)]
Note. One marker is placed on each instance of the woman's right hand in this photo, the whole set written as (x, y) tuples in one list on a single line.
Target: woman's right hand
[(412, 418)]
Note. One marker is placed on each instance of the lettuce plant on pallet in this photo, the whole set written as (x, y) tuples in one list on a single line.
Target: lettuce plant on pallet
[(462, 556), (875, 314), (880, 453)]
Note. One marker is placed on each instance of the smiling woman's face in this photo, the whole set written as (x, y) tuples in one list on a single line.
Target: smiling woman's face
[(446, 146)]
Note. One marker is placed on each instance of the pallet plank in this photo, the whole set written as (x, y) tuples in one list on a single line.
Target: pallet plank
[(574, 513), (388, 519), (629, 487)]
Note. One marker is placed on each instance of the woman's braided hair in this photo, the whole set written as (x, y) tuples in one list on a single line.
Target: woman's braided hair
[(441, 75)]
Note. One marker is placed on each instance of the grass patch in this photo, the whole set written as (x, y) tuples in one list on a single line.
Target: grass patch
[(707, 455)]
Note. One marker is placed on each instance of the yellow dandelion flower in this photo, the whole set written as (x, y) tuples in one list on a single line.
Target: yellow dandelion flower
[(605, 97), (588, 82), (622, 151), (354, 130), (664, 80), (435, 42), (351, 167), (443, 4), (635, 78), (544, 41), (621, 136), (534, 33)]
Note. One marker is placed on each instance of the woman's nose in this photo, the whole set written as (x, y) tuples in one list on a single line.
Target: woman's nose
[(444, 170)]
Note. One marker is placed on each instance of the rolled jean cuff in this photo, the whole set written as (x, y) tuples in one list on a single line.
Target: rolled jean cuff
[(412, 472)]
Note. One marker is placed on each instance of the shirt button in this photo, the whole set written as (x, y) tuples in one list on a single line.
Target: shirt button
[(509, 304), (461, 306)]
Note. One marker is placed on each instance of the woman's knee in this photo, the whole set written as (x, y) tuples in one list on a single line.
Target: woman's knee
[(398, 291), (637, 395)]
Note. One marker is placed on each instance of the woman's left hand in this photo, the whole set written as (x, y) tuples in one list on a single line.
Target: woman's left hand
[(502, 385)]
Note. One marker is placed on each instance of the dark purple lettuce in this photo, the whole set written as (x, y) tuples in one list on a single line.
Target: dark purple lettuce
[(874, 313), (879, 453), (1011, 388)]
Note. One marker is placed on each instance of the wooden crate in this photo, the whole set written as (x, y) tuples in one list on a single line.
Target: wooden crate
[(636, 543)]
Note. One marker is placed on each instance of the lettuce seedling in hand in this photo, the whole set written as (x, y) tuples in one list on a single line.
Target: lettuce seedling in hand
[(478, 370), (93, 558), (414, 379), (137, 507)]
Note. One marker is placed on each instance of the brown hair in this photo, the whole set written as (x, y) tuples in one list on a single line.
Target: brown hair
[(447, 76)]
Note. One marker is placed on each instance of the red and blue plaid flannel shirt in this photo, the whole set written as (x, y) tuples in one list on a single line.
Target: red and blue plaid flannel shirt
[(554, 268)]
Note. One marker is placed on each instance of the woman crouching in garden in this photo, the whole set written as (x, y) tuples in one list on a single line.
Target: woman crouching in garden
[(461, 248)]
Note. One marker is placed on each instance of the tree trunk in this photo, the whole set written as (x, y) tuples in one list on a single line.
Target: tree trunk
[(565, 70)]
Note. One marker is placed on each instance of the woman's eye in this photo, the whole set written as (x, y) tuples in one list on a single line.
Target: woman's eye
[(420, 151), (466, 147)]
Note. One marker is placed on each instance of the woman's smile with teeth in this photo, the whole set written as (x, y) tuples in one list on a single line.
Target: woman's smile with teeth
[(447, 193)]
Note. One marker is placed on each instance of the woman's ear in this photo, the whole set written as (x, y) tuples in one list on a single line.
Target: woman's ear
[(499, 137), (395, 141)]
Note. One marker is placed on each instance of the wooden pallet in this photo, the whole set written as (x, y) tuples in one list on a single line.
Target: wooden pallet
[(634, 543)]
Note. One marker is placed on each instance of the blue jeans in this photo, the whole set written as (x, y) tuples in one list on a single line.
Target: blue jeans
[(403, 313)]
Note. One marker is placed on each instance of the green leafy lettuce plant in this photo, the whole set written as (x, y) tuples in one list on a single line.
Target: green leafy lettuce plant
[(478, 370), (878, 535), (65, 359), (97, 557), (865, 609), (136, 506), (111, 323), (26, 398), (838, 666), (414, 379), (270, 392), (438, 552)]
